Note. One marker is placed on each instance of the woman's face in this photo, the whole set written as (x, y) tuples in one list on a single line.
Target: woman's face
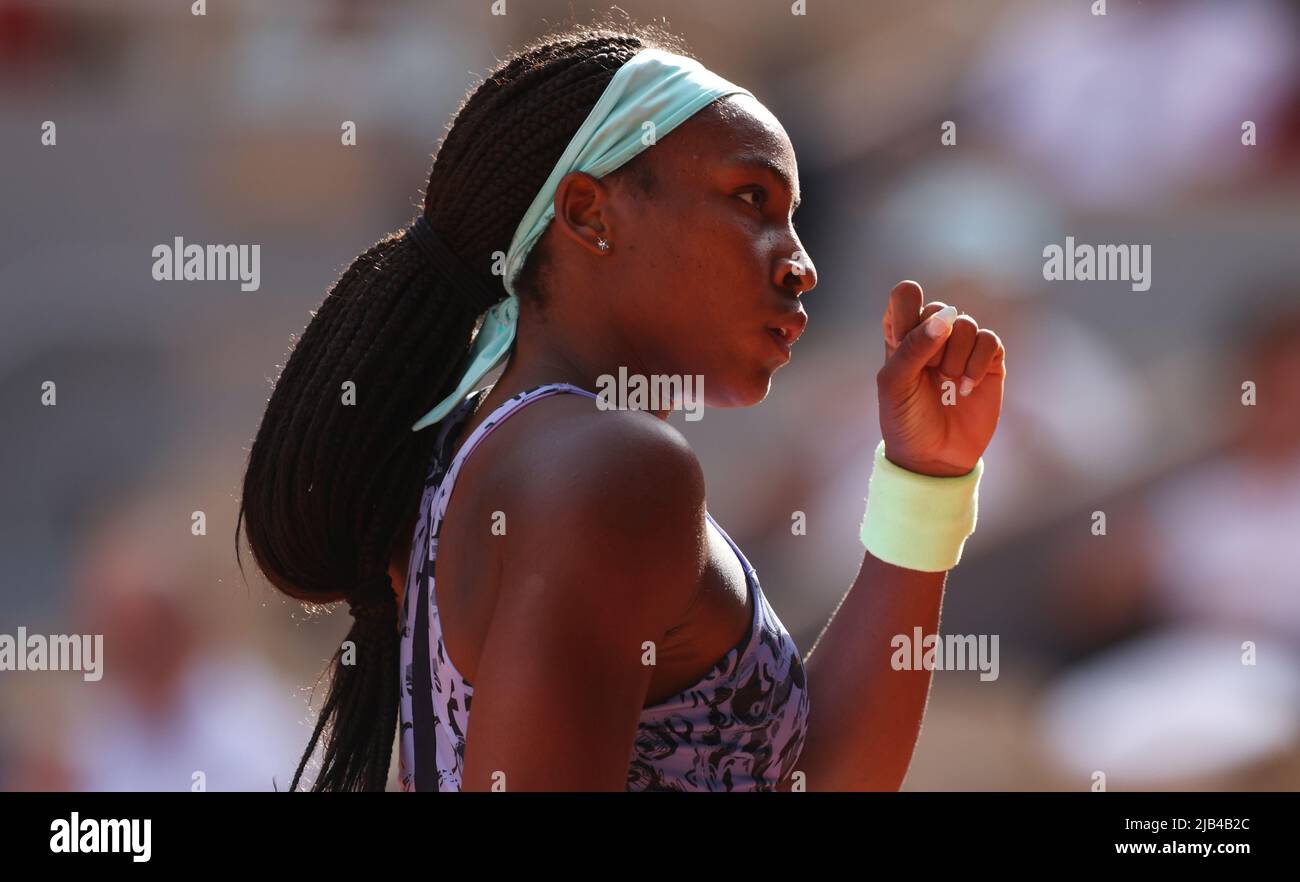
[(704, 272)]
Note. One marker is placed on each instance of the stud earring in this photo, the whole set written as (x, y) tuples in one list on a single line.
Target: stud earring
[(602, 244)]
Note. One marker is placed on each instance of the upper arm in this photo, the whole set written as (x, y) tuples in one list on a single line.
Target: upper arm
[(606, 543)]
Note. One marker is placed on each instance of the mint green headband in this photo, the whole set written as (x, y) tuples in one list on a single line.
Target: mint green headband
[(650, 95)]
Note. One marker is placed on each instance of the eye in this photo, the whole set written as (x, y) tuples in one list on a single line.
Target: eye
[(759, 194)]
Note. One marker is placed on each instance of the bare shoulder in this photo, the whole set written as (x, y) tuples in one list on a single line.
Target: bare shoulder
[(566, 444), (603, 550), (603, 496)]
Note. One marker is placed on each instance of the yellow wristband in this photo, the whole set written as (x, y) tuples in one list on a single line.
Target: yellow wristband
[(919, 522)]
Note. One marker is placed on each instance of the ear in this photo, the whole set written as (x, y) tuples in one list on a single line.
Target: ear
[(583, 211)]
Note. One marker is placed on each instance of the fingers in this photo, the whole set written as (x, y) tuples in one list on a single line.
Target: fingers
[(916, 349), (987, 356), (961, 343), (902, 315), (930, 309), (961, 350)]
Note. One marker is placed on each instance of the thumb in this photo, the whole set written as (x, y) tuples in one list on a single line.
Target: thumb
[(919, 346)]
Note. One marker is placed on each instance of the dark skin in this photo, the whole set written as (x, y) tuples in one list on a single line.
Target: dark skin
[(551, 629)]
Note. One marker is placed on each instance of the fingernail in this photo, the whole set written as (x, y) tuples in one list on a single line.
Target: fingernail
[(967, 384), (940, 323)]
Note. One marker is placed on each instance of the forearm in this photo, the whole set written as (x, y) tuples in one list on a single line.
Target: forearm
[(864, 717)]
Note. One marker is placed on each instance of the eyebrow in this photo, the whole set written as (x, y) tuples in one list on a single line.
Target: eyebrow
[(764, 162)]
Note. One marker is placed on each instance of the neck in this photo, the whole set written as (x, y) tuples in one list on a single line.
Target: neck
[(543, 354)]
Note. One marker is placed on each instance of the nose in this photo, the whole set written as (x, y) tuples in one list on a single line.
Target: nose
[(796, 273)]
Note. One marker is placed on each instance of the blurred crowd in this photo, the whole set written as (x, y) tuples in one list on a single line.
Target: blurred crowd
[(1157, 644)]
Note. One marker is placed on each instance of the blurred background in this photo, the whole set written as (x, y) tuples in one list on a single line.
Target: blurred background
[(1120, 653)]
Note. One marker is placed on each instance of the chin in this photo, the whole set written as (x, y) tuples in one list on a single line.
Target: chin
[(743, 392)]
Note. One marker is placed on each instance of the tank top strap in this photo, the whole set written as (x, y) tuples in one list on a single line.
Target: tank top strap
[(744, 561), (499, 415)]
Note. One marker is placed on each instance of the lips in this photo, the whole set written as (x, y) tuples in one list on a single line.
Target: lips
[(786, 331)]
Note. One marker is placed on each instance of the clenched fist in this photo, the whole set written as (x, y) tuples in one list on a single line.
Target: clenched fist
[(929, 427)]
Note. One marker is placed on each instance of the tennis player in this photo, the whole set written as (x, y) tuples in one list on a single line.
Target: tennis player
[(571, 617)]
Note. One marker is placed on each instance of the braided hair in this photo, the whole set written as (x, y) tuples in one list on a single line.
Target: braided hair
[(331, 491)]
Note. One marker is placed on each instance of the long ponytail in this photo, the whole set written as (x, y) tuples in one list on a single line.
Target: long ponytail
[(332, 486)]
